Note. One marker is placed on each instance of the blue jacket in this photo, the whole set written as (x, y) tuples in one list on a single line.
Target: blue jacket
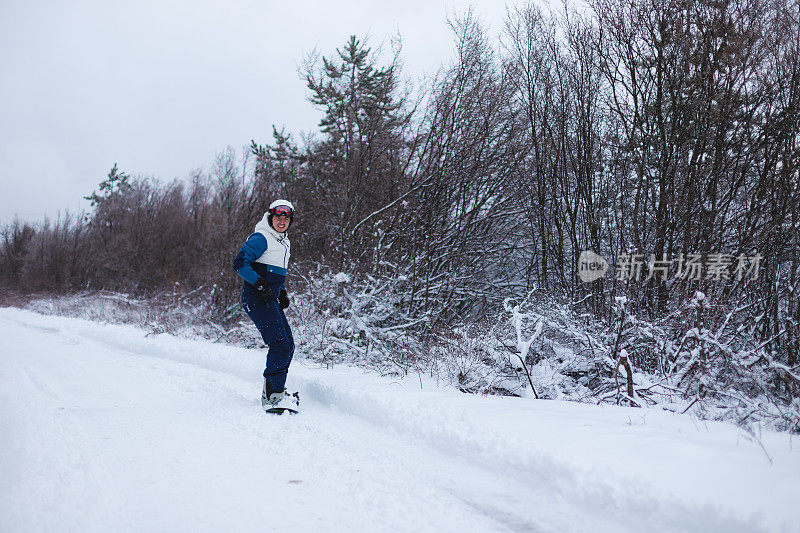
[(265, 254)]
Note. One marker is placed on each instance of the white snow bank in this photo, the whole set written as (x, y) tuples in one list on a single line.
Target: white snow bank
[(103, 427)]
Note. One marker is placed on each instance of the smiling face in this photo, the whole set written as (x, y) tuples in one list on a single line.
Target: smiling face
[(280, 223), (281, 218)]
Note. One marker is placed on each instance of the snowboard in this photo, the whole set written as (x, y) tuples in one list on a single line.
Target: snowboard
[(281, 410), (293, 398)]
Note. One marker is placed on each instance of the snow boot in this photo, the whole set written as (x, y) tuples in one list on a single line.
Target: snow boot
[(278, 400)]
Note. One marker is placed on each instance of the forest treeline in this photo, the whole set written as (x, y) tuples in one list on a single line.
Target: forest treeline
[(658, 134)]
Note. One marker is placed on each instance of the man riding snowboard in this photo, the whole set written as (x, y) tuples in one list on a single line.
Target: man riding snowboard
[(262, 263)]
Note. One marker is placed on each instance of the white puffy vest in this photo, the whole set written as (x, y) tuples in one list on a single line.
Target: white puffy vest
[(278, 246)]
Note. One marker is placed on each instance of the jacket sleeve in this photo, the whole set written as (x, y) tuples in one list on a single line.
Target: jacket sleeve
[(252, 249)]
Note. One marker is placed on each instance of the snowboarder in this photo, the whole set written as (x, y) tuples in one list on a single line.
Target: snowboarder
[(262, 263)]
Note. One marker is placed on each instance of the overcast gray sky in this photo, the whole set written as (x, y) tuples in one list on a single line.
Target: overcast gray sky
[(160, 87)]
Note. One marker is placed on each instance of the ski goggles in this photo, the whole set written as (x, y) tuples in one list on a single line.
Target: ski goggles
[(282, 211)]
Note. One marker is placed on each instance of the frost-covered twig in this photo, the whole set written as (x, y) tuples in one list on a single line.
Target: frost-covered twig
[(517, 359)]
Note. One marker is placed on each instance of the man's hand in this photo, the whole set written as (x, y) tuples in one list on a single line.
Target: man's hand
[(263, 291), (283, 299)]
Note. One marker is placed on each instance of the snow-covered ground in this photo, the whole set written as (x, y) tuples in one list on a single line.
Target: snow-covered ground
[(104, 428)]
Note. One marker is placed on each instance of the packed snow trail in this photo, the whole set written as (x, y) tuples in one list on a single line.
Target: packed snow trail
[(103, 427)]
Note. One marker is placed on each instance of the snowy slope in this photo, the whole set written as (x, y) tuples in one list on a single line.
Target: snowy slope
[(104, 428)]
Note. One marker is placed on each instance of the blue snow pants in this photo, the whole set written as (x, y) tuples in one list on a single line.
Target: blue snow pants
[(271, 322)]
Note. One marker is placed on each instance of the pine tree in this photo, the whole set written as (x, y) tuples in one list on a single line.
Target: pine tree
[(356, 165)]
